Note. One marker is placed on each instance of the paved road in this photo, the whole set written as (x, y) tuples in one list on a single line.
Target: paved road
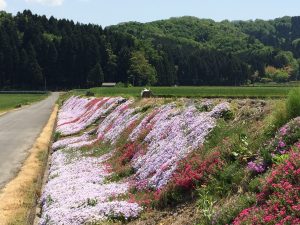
[(18, 132)]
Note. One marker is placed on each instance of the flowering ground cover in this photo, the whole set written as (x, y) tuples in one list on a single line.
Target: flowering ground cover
[(78, 113), (118, 158), (79, 189), (279, 200), (76, 192), (172, 138), (259, 184)]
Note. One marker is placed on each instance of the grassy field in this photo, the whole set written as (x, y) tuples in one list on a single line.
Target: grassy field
[(10, 101), (235, 92)]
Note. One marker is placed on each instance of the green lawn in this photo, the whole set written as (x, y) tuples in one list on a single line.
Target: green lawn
[(254, 92), (10, 101)]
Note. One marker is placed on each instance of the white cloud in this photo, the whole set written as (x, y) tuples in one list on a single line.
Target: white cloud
[(47, 2), (2, 4)]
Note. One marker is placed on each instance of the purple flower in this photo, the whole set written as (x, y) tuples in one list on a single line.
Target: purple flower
[(281, 144), (283, 130), (256, 167)]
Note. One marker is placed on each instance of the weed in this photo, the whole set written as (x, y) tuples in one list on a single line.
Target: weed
[(206, 204), (56, 136), (92, 202)]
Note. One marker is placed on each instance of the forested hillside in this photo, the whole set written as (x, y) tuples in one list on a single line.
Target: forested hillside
[(36, 51)]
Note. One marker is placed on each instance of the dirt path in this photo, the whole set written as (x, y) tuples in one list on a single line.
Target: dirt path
[(18, 131)]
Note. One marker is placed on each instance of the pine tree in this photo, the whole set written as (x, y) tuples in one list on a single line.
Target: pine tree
[(95, 76), (35, 74)]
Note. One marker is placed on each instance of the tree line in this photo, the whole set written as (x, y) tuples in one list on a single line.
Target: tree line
[(38, 52)]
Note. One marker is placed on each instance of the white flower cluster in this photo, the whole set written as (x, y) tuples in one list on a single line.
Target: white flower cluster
[(174, 135), (76, 192), (78, 114)]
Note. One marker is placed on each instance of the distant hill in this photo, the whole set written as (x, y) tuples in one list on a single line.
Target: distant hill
[(35, 50)]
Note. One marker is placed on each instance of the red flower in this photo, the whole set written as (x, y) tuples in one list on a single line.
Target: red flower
[(280, 197)]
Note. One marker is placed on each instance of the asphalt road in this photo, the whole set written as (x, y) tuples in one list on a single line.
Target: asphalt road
[(18, 132)]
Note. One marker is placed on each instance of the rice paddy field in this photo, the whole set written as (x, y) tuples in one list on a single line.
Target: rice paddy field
[(10, 101), (194, 92)]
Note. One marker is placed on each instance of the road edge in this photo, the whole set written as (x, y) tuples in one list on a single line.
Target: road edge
[(18, 199)]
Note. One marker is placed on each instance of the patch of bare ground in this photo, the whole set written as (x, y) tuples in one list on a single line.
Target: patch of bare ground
[(19, 197)]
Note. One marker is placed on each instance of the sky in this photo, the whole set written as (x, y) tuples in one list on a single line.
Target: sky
[(111, 12)]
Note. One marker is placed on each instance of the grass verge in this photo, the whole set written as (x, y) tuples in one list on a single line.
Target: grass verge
[(10, 101), (18, 199), (208, 92)]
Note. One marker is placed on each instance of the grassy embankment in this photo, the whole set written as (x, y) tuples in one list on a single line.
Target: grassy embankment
[(10, 101), (223, 192), (220, 196), (212, 92)]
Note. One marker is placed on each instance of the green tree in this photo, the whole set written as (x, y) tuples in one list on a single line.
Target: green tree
[(141, 72), (36, 74), (34, 71), (95, 76)]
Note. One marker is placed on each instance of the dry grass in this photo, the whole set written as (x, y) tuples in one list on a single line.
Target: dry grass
[(18, 199)]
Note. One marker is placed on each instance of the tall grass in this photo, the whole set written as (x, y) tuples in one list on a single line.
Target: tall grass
[(287, 110), (293, 103)]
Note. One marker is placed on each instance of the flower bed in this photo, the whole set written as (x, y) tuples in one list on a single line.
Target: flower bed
[(108, 130), (278, 147), (76, 192), (175, 134), (74, 118), (79, 189), (278, 203)]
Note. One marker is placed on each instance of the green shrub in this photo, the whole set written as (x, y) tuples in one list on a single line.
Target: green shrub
[(279, 117), (121, 85), (293, 103), (56, 136), (266, 155), (286, 111), (92, 202), (228, 115), (89, 94)]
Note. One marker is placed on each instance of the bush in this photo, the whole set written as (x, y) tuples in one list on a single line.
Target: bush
[(286, 111), (56, 136), (293, 103), (89, 94), (121, 85), (277, 75), (279, 116)]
